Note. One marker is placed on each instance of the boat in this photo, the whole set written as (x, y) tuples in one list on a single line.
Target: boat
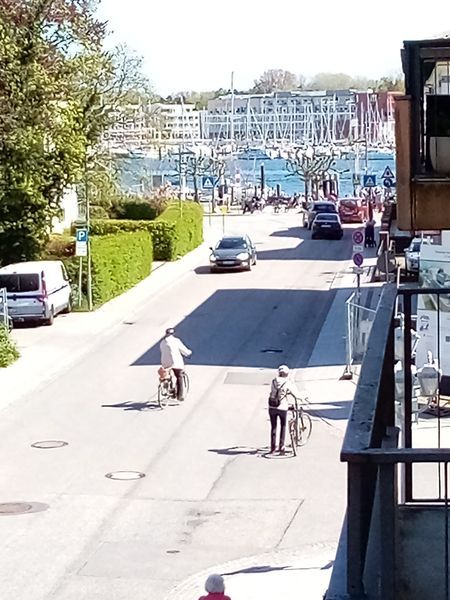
[(253, 154)]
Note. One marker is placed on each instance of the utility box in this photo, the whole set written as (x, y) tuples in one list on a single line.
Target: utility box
[(423, 137)]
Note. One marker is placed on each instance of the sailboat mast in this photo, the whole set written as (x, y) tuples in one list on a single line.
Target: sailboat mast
[(232, 108)]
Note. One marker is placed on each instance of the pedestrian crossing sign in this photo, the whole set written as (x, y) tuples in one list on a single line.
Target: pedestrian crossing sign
[(208, 181), (388, 174), (370, 181)]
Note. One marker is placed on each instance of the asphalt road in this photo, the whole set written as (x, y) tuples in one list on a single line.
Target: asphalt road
[(209, 493)]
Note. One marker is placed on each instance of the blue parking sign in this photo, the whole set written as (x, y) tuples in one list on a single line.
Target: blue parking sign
[(82, 235)]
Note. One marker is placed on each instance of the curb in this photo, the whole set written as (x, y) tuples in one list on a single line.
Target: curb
[(187, 589)]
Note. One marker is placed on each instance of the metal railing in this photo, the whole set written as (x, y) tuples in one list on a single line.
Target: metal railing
[(391, 504)]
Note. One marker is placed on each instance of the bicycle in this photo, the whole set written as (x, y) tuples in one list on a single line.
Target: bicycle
[(300, 426), (167, 388)]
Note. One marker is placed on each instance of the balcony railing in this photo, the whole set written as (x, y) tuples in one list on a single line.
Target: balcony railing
[(395, 540)]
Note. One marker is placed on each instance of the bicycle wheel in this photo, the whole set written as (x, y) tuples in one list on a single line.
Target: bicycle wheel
[(185, 383), (304, 428), (163, 393), (293, 436)]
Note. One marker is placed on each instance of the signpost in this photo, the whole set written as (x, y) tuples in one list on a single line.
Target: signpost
[(209, 182), (81, 242), (358, 258), (388, 178), (370, 181)]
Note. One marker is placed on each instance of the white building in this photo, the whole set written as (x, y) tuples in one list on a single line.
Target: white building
[(179, 121)]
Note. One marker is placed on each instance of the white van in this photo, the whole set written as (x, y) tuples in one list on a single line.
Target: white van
[(36, 291)]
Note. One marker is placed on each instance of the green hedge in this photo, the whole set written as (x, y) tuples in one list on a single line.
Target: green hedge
[(119, 262), (8, 349), (136, 210), (177, 231)]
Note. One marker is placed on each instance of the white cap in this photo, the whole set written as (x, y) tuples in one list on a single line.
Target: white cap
[(283, 370)]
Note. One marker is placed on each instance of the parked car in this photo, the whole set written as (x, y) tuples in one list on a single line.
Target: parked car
[(352, 210), (316, 208), (36, 291), (412, 255), (327, 225), (233, 253)]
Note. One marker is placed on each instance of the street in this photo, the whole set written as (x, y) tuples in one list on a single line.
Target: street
[(208, 493)]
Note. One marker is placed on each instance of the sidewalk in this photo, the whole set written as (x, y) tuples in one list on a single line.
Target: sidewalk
[(301, 574)]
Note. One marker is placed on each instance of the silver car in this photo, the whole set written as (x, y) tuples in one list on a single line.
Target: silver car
[(412, 255), (233, 253)]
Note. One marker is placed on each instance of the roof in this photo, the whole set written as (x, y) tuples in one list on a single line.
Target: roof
[(28, 267)]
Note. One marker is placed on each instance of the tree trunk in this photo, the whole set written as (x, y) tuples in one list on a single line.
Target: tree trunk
[(196, 189)]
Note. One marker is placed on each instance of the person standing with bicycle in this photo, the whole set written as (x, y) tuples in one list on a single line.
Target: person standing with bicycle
[(172, 352), (279, 406)]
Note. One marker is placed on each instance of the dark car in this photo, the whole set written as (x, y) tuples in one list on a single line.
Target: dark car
[(233, 253), (321, 206), (327, 225)]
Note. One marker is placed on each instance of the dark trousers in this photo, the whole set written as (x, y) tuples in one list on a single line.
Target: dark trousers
[(179, 382), (275, 414)]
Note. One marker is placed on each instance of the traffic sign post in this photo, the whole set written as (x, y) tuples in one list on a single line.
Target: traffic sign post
[(358, 258), (209, 182), (387, 173), (81, 243), (370, 181), (388, 183)]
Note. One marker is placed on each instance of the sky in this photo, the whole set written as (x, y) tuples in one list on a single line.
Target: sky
[(196, 44)]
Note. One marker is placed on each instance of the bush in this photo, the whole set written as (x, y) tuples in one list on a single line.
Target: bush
[(8, 349), (136, 210), (119, 262)]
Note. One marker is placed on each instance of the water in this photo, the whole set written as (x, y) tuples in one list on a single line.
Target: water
[(137, 172)]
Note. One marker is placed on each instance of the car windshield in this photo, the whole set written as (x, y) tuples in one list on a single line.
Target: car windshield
[(415, 247), (324, 208), (330, 217), (231, 244), (20, 282)]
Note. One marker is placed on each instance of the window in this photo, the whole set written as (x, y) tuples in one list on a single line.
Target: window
[(20, 282), (232, 243)]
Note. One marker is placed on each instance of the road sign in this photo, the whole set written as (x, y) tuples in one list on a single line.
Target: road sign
[(358, 236), (82, 235), (369, 180), (208, 181), (358, 270), (358, 248), (356, 179), (388, 174), (358, 259), (388, 183)]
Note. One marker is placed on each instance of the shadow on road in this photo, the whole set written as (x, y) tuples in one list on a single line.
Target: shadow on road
[(136, 406), (259, 328), (270, 569), (237, 450), (335, 411)]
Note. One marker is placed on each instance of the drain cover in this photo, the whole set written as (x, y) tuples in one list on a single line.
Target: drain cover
[(20, 508), (125, 475), (172, 551), (272, 350), (46, 444)]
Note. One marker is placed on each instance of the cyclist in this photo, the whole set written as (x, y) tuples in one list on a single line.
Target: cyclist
[(172, 352), (279, 406)]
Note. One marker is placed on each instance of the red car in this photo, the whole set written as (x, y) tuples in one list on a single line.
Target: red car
[(353, 210)]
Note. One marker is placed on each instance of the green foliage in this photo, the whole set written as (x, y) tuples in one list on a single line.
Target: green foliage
[(8, 349), (178, 230), (136, 210)]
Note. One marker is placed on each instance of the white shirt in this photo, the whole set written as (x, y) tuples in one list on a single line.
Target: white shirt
[(172, 352), (289, 387)]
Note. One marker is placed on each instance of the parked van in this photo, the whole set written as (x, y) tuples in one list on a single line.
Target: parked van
[(36, 291)]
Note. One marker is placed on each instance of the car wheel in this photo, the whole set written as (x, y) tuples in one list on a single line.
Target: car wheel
[(51, 318), (68, 308), (313, 236), (254, 260), (212, 270)]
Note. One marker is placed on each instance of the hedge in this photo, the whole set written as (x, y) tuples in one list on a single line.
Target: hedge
[(8, 349), (119, 262), (177, 231)]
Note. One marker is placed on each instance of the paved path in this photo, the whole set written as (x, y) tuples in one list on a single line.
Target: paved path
[(210, 494)]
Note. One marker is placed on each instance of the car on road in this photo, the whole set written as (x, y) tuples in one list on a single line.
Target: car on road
[(327, 225), (352, 210), (36, 290), (412, 255), (316, 208), (233, 253)]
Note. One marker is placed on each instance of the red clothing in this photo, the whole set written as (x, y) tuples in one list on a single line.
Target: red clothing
[(217, 596)]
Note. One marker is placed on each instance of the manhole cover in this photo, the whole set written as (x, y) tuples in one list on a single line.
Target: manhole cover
[(125, 475), (272, 350), (172, 551), (20, 508), (129, 322), (46, 444)]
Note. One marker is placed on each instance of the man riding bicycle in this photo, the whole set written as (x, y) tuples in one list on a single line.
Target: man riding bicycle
[(172, 352)]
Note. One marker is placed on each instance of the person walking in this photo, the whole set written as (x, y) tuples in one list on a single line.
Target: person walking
[(215, 586), (172, 352), (279, 406)]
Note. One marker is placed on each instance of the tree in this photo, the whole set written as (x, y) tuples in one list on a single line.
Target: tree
[(394, 83), (58, 90), (331, 81), (308, 167), (275, 80)]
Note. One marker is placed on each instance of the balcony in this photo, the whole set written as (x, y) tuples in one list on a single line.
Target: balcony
[(395, 543)]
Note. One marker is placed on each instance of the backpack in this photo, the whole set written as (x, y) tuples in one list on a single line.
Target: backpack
[(274, 401)]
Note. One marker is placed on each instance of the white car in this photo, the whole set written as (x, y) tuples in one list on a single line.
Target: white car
[(36, 291), (412, 255)]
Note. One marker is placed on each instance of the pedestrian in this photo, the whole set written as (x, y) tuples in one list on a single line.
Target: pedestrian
[(172, 352), (278, 406), (215, 586)]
